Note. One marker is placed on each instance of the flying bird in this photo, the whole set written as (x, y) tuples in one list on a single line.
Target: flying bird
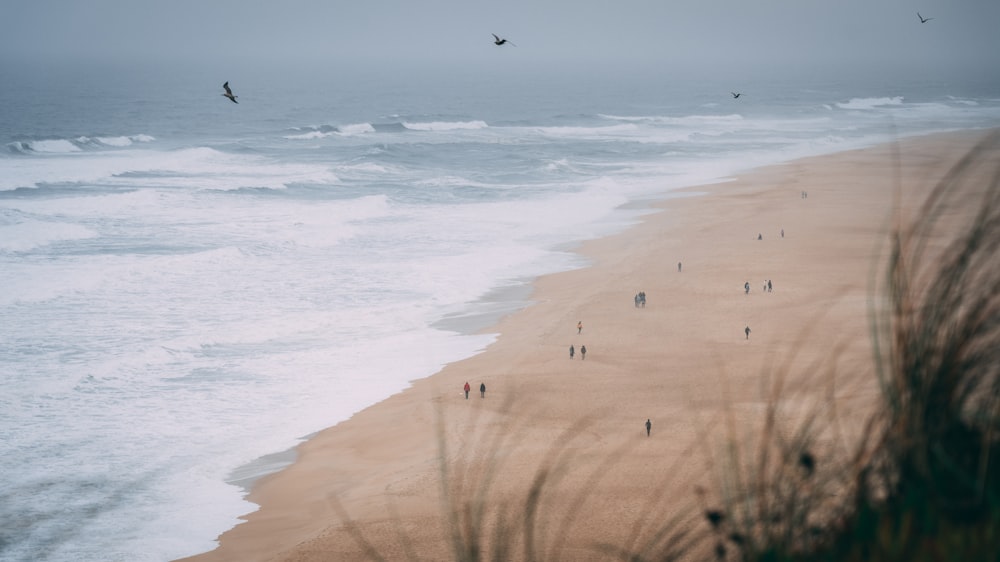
[(499, 41), (736, 94), (229, 93), (923, 19)]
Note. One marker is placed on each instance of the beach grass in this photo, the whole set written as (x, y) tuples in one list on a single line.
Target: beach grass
[(925, 482)]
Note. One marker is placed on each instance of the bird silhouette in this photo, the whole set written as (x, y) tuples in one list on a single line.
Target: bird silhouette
[(736, 94), (923, 19), (499, 41), (229, 93)]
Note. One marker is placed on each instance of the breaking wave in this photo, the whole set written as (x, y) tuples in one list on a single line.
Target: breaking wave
[(78, 144), (444, 125), (870, 103)]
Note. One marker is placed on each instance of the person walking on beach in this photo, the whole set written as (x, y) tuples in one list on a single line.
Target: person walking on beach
[(747, 331), (678, 267), (746, 287), (572, 352), (467, 389), (579, 326), (583, 352), (482, 389), (649, 425)]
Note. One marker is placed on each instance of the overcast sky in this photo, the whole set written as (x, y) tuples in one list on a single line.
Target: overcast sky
[(656, 31)]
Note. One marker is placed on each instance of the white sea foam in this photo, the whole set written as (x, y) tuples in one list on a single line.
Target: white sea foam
[(311, 135), (687, 120), (445, 125), (963, 101), (119, 142), (588, 132), (451, 181), (65, 146), (53, 146), (193, 168), (355, 129), (369, 168), (327, 131), (870, 103), (30, 234)]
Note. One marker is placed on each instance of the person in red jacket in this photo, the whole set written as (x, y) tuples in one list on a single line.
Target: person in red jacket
[(467, 389)]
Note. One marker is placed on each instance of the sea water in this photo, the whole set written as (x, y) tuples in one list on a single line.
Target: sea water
[(189, 286)]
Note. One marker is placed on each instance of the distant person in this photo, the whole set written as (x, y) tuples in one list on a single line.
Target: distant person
[(678, 267), (649, 426), (579, 326), (746, 287), (482, 389), (782, 232), (572, 352), (583, 352), (760, 236), (769, 286), (747, 331), (467, 389)]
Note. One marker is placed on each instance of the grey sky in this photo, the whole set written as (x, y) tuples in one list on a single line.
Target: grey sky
[(735, 32)]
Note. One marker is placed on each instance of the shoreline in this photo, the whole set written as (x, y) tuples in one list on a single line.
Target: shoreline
[(390, 449)]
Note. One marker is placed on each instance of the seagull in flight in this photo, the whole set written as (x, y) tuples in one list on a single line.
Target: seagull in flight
[(499, 41), (229, 93), (923, 19), (736, 94)]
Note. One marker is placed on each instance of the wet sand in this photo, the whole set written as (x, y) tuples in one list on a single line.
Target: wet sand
[(683, 361)]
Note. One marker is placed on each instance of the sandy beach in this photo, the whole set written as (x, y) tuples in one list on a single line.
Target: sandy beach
[(814, 228)]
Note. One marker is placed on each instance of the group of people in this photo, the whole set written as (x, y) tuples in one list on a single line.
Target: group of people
[(640, 302)]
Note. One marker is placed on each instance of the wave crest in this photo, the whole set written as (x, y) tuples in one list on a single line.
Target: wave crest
[(870, 103), (78, 144), (445, 125), (311, 133)]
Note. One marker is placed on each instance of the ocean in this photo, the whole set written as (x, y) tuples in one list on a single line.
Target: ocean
[(191, 287)]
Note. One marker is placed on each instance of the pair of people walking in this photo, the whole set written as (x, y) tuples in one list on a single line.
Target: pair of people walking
[(482, 390), (640, 299), (583, 352)]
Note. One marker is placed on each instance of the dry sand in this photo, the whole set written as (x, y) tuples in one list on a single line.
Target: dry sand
[(683, 362)]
